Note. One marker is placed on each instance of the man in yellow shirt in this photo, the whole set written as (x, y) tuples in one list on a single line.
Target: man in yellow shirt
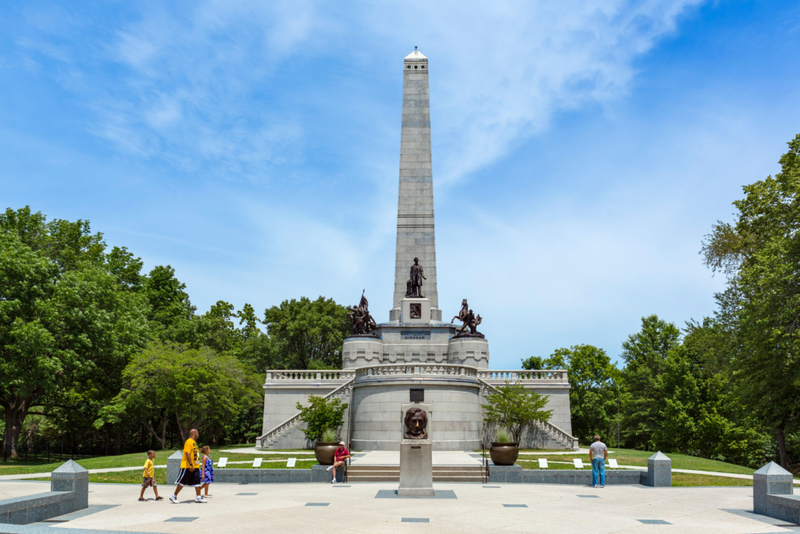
[(190, 468), (149, 476)]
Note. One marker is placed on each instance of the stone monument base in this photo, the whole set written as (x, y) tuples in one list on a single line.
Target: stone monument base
[(416, 470)]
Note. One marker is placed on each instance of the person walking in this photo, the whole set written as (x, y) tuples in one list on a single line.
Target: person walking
[(149, 476), (598, 453), (207, 471), (189, 474)]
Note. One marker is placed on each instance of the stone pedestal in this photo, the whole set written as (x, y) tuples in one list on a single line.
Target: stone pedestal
[(472, 351), (416, 469), (659, 471), (416, 458), (174, 467), (771, 479), (360, 351), (73, 478)]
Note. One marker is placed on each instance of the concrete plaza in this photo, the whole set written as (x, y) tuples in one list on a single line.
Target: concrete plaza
[(477, 508)]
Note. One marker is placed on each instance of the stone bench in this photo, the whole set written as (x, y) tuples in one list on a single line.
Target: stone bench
[(69, 492)]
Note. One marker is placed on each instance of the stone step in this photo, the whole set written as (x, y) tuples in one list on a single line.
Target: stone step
[(353, 477)]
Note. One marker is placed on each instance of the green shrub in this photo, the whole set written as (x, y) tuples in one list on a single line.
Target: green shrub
[(515, 408), (329, 435), (321, 414)]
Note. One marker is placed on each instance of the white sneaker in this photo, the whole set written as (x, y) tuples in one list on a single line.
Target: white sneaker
[(173, 499), (333, 481), (329, 468), (200, 499)]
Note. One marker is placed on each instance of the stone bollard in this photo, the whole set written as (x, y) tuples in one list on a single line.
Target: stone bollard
[(771, 479), (174, 467), (659, 471), (71, 477)]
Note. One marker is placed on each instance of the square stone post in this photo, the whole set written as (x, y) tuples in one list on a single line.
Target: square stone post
[(174, 467), (659, 471), (771, 479), (71, 477)]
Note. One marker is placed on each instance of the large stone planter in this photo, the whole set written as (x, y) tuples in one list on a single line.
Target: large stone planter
[(504, 453), (324, 450)]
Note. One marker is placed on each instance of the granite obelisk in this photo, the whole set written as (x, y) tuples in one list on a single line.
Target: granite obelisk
[(415, 227)]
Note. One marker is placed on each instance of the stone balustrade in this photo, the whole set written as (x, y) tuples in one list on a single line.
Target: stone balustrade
[(280, 376), (298, 375), (524, 376), (417, 369)]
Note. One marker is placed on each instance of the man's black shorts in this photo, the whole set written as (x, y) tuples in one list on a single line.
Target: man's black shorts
[(189, 478)]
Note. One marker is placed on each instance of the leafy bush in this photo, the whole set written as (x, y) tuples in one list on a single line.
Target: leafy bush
[(515, 408), (329, 435), (321, 414)]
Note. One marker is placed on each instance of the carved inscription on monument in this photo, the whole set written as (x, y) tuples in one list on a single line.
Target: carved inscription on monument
[(415, 311), (415, 335)]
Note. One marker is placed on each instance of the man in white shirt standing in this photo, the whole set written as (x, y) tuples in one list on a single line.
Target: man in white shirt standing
[(598, 452)]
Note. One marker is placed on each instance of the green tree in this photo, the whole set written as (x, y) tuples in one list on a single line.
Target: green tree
[(515, 408), (66, 323), (761, 256), (308, 334), (171, 314), (192, 388), (645, 354), (594, 390), (320, 415)]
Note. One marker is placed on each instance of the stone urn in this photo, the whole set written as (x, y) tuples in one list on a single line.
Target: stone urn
[(504, 453), (324, 450)]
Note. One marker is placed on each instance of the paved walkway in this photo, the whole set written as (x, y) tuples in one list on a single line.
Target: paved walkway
[(476, 509)]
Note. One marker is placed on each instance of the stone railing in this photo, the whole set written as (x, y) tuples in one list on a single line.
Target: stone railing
[(294, 375), (267, 439), (523, 376), (416, 369)]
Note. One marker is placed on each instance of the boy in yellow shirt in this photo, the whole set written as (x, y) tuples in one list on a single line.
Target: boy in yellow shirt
[(149, 476)]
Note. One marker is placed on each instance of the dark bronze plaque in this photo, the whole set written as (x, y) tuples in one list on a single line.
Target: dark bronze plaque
[(417, 395), (415, 310)]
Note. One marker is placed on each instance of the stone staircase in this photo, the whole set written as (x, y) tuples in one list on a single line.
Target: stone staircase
[(391, 473), (272, 439)]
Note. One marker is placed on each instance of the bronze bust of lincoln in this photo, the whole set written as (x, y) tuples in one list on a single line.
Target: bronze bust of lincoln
[(416, 421)]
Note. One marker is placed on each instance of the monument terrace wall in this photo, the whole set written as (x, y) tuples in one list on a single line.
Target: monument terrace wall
[(376, 393)]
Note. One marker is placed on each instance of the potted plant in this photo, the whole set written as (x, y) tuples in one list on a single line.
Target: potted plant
[(514, 408), (504, 451), (322, 417)]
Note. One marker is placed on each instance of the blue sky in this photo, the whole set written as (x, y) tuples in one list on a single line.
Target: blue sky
[(581, 149)]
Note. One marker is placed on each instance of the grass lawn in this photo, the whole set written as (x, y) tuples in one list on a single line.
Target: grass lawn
[(137, 459), (689, 480)]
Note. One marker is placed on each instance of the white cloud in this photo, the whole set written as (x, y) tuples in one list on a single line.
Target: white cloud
[(187, 82)]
